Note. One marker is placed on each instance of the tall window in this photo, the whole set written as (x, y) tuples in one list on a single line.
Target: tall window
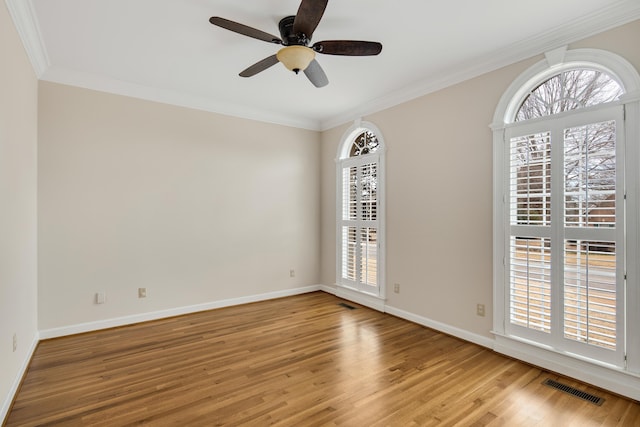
[(360, 212), (563, 222), (561, 207)]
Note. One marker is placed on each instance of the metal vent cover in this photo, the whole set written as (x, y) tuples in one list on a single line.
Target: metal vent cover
[(596, 400), (345, 305)]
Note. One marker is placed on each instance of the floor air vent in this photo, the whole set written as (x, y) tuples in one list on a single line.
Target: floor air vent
[(345, 305), (574, 392)]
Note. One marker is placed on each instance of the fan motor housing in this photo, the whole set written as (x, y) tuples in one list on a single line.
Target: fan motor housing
[(288, 36)]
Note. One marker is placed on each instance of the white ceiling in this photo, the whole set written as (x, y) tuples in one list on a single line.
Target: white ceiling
[(167, 51)]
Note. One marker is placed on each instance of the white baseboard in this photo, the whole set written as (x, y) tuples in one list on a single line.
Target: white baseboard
[(178, 311), (6, 405), (328, 289), (442, 327)]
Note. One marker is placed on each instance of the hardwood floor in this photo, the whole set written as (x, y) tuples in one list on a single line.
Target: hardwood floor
[(297, 361)]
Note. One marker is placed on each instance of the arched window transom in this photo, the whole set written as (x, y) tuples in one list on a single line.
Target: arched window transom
[(570, 90), (365, 143)]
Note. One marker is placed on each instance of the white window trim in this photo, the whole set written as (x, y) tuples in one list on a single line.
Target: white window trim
[(625, 381), (372, 300)]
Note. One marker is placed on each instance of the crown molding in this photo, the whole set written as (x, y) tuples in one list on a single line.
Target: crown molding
[(26, 23), (592, 24), (165, 96), (25, 20)]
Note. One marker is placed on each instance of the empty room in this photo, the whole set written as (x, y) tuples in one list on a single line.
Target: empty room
[(312, 212)]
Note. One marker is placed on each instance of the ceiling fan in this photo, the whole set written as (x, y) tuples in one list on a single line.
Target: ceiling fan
[(296, 32)]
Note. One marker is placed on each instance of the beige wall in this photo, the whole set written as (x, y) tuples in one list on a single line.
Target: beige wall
[(439, 193), (18, 276), (194, 206)]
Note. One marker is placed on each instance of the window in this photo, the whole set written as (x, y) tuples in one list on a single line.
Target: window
[(566, 212), (564, 243), (360, 213)]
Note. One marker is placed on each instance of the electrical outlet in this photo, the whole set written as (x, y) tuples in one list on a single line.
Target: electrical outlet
[(101, 297), (480, 310), (15, 342), (292, 273), (396, 288), (142, 292)]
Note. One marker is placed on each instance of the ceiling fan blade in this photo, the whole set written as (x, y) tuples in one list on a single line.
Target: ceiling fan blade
[(260, 66), (316, 75), (348, 47), (244, 30), (309, 14)]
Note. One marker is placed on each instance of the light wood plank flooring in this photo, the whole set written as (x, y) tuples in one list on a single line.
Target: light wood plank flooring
[(297, 361)]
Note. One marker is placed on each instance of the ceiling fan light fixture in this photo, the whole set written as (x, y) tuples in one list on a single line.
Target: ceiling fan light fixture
[(296, 58)]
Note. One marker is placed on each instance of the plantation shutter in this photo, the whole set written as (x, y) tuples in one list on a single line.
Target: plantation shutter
[(565, 245), (590, 244), (530, 231), (359, 224)]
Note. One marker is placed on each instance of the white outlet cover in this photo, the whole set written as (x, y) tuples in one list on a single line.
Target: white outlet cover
[(101, 297)]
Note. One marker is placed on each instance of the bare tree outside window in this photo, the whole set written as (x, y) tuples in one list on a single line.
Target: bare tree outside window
[(568, 91), (531, 178), (590, 175), (589, 152), (365, 143)]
